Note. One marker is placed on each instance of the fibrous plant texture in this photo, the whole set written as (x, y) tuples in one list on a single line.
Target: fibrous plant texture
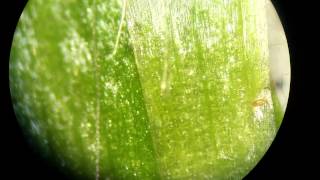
[(145, 89)]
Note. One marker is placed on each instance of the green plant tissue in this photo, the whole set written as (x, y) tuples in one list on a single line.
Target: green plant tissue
[(145, 89)]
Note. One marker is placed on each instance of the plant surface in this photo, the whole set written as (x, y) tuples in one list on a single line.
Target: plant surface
[(145, 89)]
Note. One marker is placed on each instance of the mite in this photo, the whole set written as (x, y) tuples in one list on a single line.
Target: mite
[(260, 102)]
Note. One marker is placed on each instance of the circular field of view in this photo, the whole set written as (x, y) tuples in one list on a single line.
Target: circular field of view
[(150, 89)]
